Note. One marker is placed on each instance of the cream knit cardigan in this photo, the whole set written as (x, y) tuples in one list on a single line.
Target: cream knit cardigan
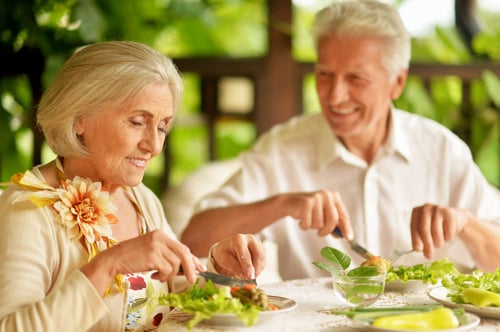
[(41, 285)]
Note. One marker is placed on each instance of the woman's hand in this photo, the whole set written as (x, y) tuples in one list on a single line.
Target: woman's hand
[(241, 256), (154, 251)]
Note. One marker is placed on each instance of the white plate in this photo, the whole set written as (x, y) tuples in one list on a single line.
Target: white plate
[(470, 321), (284, 304), (439, 294), (406, 286)]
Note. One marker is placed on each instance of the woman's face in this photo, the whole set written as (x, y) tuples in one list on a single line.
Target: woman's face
[(123, 141)]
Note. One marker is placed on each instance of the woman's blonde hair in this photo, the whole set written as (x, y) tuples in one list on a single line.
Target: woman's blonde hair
[(96, 79), (372, 19)]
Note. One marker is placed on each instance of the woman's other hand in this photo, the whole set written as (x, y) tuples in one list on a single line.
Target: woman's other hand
[(154, 251), (241, 256)]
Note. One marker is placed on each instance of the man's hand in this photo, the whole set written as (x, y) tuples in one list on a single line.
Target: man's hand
[(433, 225), (322, 210)]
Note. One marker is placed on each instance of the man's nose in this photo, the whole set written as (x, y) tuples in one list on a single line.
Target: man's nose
[(338, 93)]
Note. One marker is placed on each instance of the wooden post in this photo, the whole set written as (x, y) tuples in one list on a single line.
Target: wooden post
[(278, 82)]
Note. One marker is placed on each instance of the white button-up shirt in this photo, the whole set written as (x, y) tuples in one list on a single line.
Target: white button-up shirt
[(421, 162)]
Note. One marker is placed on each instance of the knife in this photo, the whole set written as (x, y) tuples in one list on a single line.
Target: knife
[(222, 279), (354, 245)]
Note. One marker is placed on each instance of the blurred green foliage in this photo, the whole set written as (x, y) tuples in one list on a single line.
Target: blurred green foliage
[(442, 99), (232, 28)]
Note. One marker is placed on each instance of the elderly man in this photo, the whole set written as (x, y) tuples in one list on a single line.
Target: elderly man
[(385, 177)]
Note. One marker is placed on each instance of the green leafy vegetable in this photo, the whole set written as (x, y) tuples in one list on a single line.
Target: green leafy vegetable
[(428, 273), (359, 286), (204, 302), (364, 271), (338, 262), (457, 283)]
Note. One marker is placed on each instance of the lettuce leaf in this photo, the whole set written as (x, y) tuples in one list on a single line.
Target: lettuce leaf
[(205, 301), (428, 273), (488, 281)]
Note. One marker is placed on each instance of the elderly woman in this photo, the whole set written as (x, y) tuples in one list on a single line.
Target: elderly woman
[(84, 245)]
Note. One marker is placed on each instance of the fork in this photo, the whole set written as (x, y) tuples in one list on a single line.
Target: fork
[(354, 245), (396, 254)]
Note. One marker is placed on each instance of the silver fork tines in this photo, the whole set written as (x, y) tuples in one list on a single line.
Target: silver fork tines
[(396, 254)]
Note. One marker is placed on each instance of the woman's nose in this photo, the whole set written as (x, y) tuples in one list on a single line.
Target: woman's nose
[(152, 141)]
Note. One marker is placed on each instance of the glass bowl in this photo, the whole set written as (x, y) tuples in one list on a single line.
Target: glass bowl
[(358, 291)]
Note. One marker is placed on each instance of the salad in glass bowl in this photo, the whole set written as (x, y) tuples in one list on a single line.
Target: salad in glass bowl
[(357, 287)]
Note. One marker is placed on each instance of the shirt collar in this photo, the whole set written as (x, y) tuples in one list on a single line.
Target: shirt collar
[(329, 146), (333, 149), (398, 140)]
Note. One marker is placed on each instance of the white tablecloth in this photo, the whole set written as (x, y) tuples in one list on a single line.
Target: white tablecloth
[(314, 299)]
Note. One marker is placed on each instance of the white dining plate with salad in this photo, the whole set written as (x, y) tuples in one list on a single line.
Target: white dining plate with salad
[(284, 305), (406, 286), (467, 322), (440, 294), (418, 277)]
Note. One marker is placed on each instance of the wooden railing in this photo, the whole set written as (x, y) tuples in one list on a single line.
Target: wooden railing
[(467, 74), (265, 114)]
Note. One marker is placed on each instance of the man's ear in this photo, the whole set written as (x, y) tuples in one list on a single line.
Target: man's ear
[(399, 84)]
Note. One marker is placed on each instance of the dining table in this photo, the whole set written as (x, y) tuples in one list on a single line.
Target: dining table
[(314, 299)]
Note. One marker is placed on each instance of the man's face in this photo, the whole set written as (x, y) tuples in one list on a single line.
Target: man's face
[(354, 89)]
